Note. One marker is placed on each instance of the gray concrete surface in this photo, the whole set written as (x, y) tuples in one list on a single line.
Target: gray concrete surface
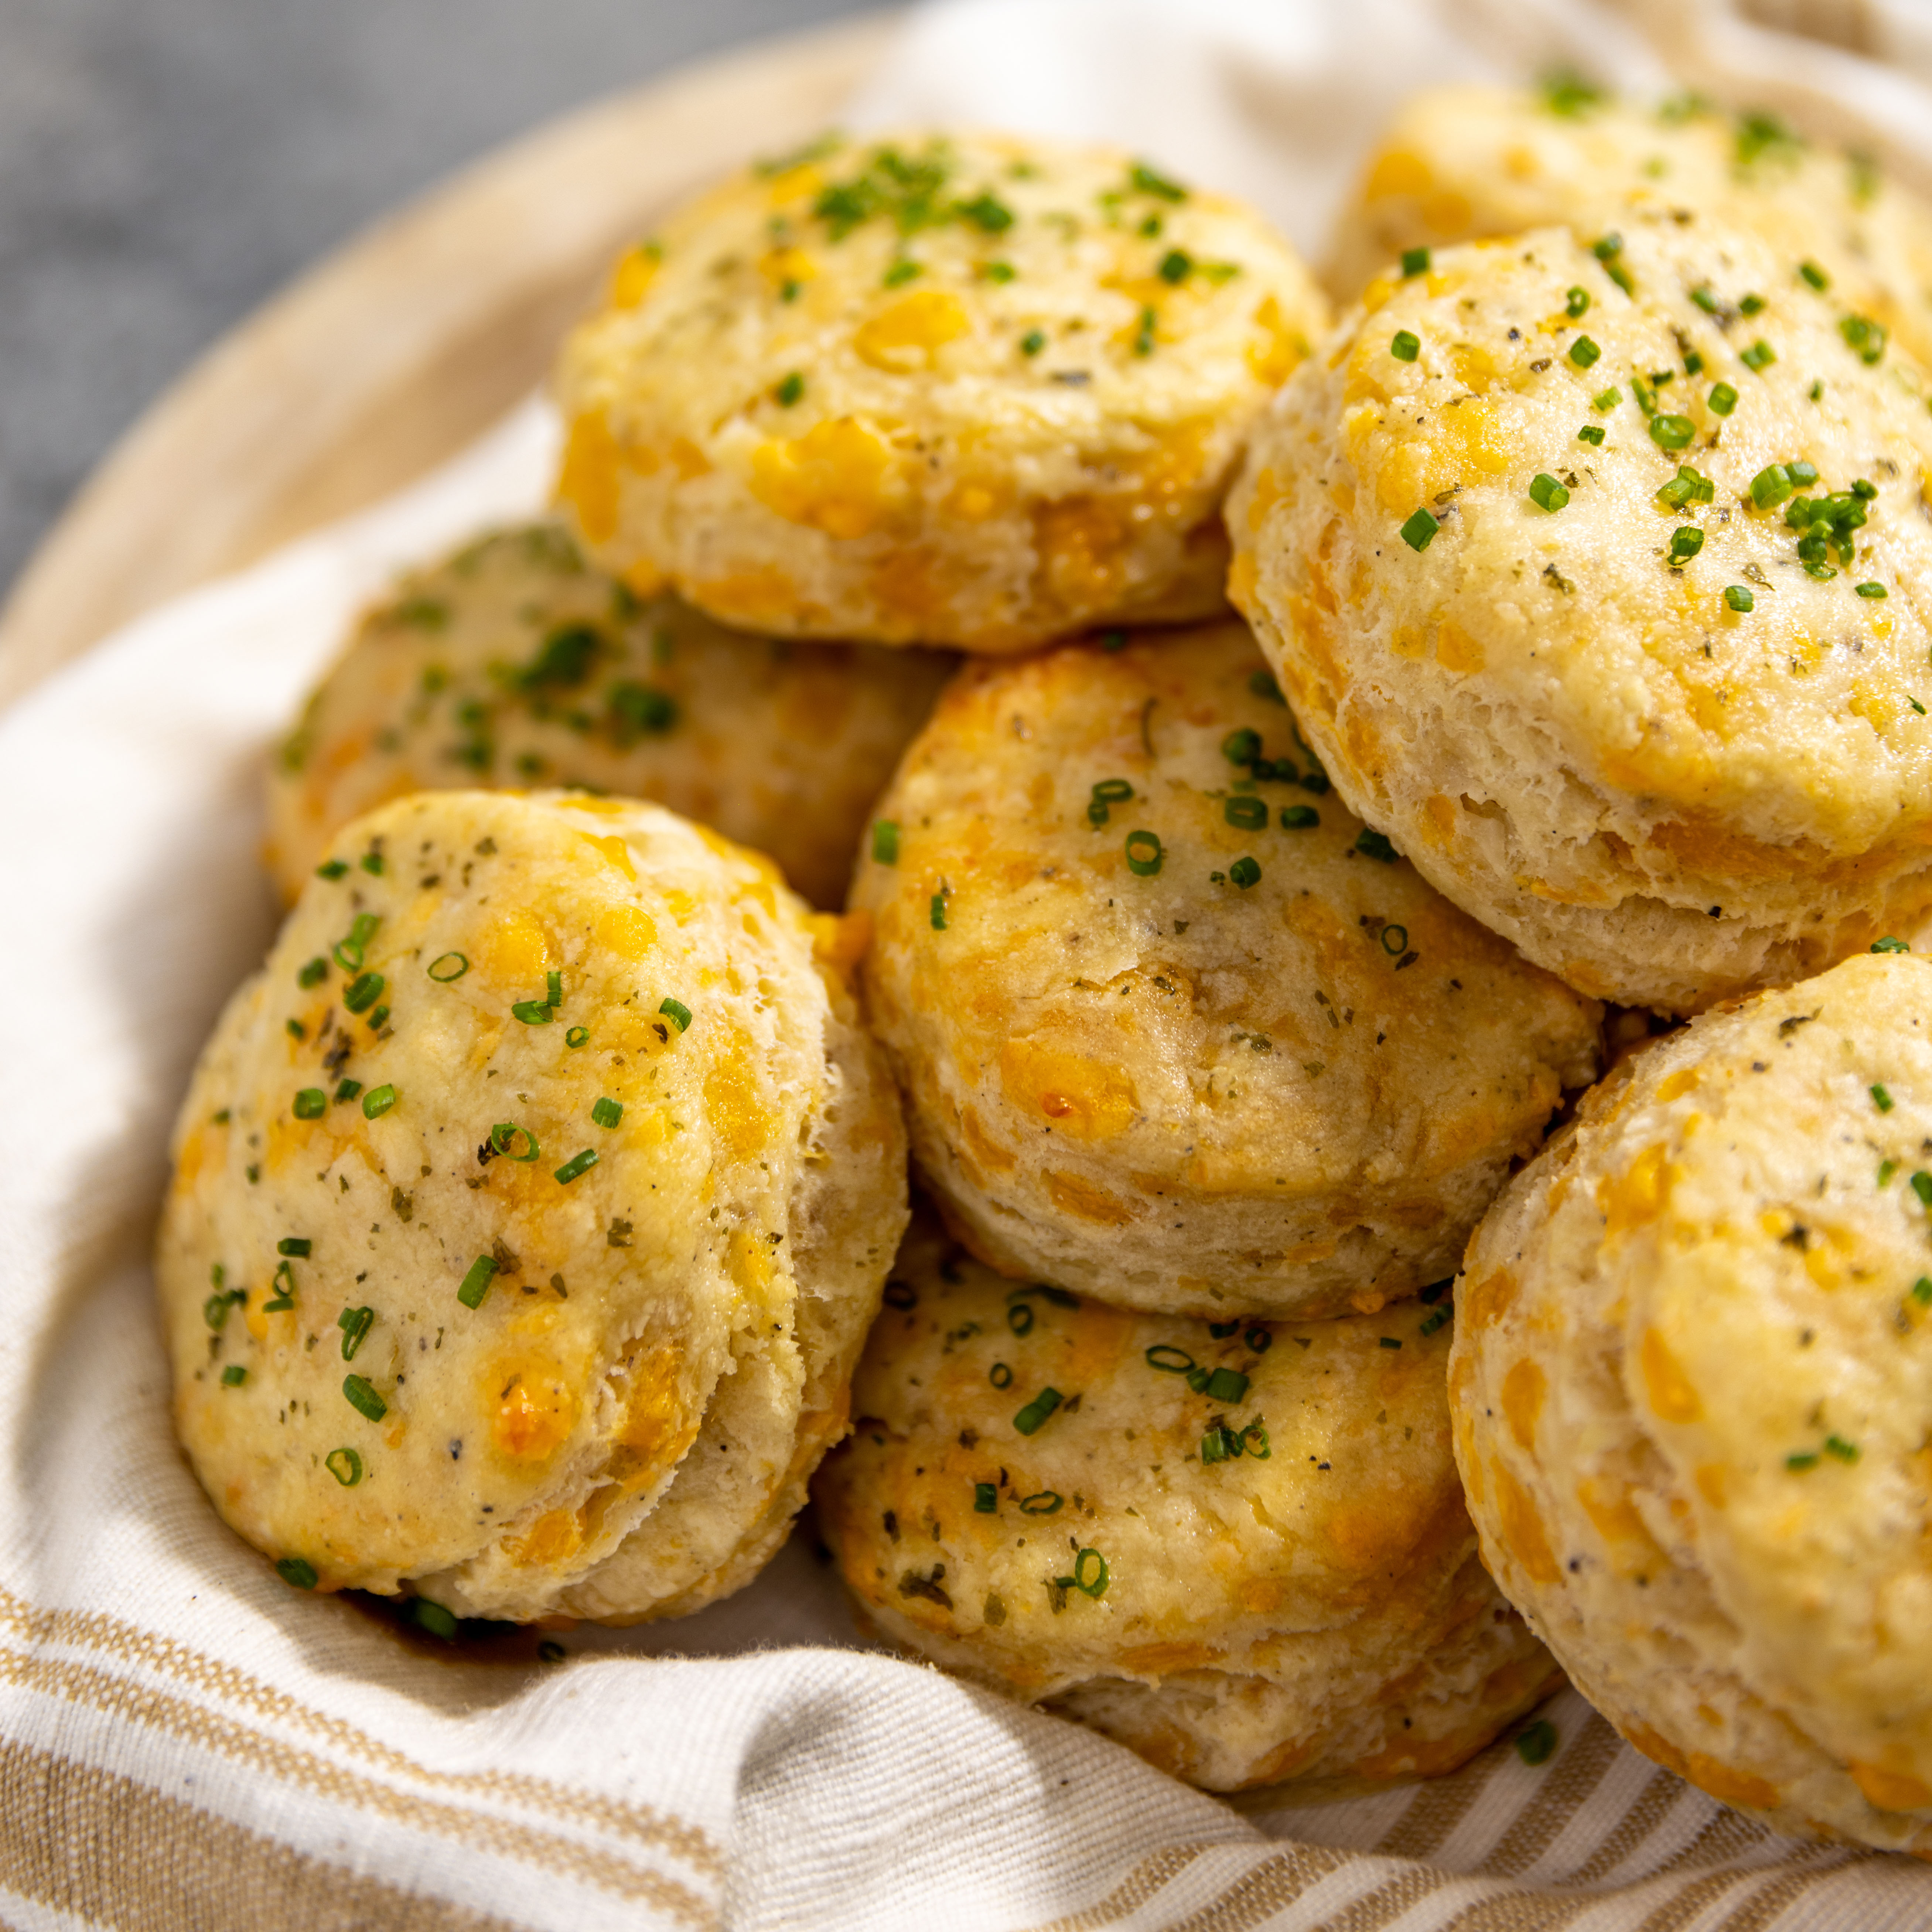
[(165, 164)]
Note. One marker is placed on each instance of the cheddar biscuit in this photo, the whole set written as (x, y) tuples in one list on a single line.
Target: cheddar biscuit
[(1597, 578), (958, 390), (1173, 1028), (1240, 1550), (1693, 1353), (515, 663), (1462, 163), (528, 1208)]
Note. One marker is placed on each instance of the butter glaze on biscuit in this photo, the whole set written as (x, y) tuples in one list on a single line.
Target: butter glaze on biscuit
[(962, 390), (1459, 163), (1171, 1029), (1692, 1372), (529, 1206), (1242, 1552), (515, 663), (1556, 707)]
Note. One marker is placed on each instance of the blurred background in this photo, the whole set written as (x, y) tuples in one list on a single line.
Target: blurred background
[(166, 164)]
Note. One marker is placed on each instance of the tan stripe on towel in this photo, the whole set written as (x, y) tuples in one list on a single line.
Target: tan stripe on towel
[(130, 1702), (80, 1840), (166, 1657)]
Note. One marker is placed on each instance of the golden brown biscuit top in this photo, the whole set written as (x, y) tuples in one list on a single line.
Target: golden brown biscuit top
[(1149, 1483), (1119, 877), (516, 663), (1462, 162), (490, 1165), (1750, 1211), (807, 320), (1661, 497)]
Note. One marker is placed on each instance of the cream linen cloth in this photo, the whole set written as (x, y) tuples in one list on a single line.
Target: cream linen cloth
[(184, 1741)]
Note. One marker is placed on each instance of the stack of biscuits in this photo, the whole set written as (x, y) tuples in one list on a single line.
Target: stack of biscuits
[(1231, 980)]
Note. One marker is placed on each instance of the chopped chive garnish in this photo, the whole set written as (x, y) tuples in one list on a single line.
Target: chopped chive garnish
[(789, 390), (1228, 1385), (1845, 1452), (313, 972), (936, 912), (1722, 399), (1372, 845), (298, 1247), (1043, 1502), (1804, 1459), (1000, 1375), (372, 862), (1864, 337), (1404, 347), (1175, 266), (294, 1029), (1547, 492), (1388, 1342), (1813, 277), (1169, 1360), (885, 841), (1739, 597), (986, 1499), (1705, 299), (1395, 939), (1420, 531), (378, 1101), (354, 1324), (533, 1012), (607, 1112), (1870, 589), (476, 1283), (577, 1164), (677, 1011), (503, 1140), (1144, 335), (1576, 303), (1030, 1418), (1241, 748), (1536, 1743), (310, 1104), (1244, 873), (1583, 352), (284, 1283), (1299, 817), (360, 1395), (1694, 364), (1921, 1291), (234, 1375), (1889, 943), (1607, 400), (448, 966), (901, 272), (1865, 492), (363, 992), (1105, 796), (1883, 1101), (1244, 812), (554, 988), (1592, 433), (1145, 854), (1688, 486), (1686, 541), (1033, 342), (1415, 261), (345, 1465), (1672, 432), (1264, 684), (332, 869), (576, 1035), (1090, 1572), (1920, 1184), (346, 1089), (1886, 1169), (1750, 304), (998, 271), (1440, 1318), (1758, 357), (297, 1572), (432, 1618)]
